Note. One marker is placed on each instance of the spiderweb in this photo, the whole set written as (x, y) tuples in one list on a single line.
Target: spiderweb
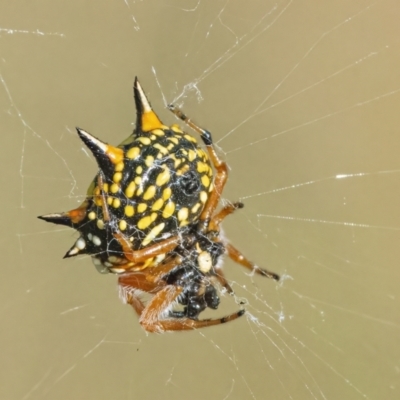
[(302, 100)]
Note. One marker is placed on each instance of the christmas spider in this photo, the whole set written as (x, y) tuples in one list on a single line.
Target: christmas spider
[(150, 217)]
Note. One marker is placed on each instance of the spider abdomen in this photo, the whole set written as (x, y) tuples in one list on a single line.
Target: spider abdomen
[(153, 185)]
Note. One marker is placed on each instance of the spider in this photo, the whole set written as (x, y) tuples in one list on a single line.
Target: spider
[(150, 217)]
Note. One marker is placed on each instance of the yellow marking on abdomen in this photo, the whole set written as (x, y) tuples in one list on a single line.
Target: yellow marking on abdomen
[(149, 161), (133, 153), (158, 132), (205, 180), (117, 177), (195, 208), (203, 197), (129, 211), (146, 221), (162, 149), (167, 193), (169, 210), (153, 234), (145, 140), (157, 205), (130, 190), (116, 203), (119, 167), (114, 188), (142, 207), (176, 128), (183, 214), (149, 193), (163, 177)]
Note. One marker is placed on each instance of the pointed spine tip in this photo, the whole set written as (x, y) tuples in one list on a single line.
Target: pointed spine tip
[(146, 120), (95, 145), (78, 248), (104, 154), (59, 219), (68, 255), (142, 103)]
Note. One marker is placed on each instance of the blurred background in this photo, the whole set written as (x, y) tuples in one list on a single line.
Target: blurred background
[(303, 101)]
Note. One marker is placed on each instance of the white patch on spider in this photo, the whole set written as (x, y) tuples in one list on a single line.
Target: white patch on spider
[(113, 259), (80, 243), (165, 235), (159, 258), (96, 240), (118, 270), (73, 251), (204, 261)]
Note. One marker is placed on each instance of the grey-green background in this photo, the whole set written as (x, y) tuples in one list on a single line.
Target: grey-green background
[(303, 99)]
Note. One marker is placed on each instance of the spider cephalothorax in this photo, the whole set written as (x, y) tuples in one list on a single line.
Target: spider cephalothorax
[(149, 216)]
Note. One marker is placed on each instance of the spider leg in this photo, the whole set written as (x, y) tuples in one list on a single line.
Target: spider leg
[(132, 282), (220, 276), (154, 250), (151, 314), (239, 258), (150, 279), (132, 298), (227, 210), (138, 280)]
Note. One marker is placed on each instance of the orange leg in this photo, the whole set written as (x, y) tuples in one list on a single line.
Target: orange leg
[(137, 304), (150, 279), (212, 223), (150, 316), (222, 280), (238, 257), (213, 200), (137, 256), (139, 280), (227, 210)]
